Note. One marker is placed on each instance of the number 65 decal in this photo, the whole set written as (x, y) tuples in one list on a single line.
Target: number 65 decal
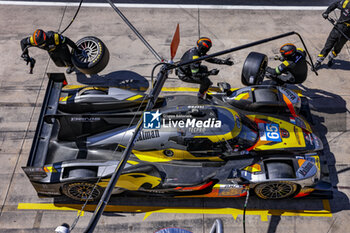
[(273, 132)]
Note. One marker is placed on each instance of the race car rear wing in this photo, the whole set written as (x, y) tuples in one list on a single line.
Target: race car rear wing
[(43, 130)]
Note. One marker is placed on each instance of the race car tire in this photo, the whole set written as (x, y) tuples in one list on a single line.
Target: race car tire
[(80, 191), (253, 71), (95, 58), (276, 190)]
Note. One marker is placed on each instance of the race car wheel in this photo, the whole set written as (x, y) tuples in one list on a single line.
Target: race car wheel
[(275, 190), (93, 56), (80, 191), (253, 71)]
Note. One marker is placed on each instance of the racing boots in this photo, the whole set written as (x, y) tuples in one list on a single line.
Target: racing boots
[(331, 59), (317, 66), (319, 60)]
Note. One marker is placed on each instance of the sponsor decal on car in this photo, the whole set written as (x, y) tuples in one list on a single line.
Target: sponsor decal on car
[(85, 119), (284, 133), (209, 123), (292, 96), (304, 168), (146, 135), (152, 120)]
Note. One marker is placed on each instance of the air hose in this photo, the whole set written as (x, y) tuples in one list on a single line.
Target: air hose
[(76, 13), (245, 207)]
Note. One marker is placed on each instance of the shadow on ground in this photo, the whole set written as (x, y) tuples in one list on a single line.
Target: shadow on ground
[(122, 79), (329, 114), (337, 65)]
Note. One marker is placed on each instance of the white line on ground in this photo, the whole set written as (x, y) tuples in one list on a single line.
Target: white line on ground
[(216, 7)]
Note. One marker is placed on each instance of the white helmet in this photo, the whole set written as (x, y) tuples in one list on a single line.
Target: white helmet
[(64, 228)]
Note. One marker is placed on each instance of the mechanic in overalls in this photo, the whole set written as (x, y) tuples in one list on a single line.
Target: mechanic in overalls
[(335, 40), (197, 73), (293, 69), (54, 43)]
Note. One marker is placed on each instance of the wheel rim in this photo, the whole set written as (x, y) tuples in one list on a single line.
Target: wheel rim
[(276, 190), (82, 191), (90, 50)]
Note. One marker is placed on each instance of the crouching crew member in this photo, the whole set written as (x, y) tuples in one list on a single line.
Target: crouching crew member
[(197, 73), (293, 68)]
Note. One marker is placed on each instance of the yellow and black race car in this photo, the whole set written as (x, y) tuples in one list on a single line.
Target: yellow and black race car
[(255, 137)]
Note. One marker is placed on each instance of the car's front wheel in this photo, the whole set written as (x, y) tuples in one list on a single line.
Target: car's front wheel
[(82, 191), (276, 190)]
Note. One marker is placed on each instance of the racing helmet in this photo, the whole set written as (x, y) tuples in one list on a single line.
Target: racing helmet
[(39, 37), (204, 44), (288, 50)]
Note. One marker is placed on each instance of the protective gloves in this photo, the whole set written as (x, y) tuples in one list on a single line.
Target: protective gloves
[(30, 61), (270, 70), (325, 15), (26, 58), (228, 62)]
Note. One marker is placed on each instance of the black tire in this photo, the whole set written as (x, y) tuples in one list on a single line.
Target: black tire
[(96, 55), (275, 190), (80, 191), (254, 67)]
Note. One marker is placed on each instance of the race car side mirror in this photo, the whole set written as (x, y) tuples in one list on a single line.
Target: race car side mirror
[(225, 88)]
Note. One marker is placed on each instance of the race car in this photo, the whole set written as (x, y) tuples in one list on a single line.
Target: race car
[(253, 138)]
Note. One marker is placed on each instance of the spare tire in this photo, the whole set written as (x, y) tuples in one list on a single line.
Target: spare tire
[(253, 71), (94, 56)]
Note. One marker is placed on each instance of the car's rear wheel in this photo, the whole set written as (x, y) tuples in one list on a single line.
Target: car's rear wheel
[(275, 190), (81, 191), (93, 56)]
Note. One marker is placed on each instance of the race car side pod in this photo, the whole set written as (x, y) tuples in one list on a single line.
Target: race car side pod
[(333, 22), (161, 77), (247, 46)]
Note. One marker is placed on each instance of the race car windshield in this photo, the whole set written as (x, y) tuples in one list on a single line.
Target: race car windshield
[(248, 135)]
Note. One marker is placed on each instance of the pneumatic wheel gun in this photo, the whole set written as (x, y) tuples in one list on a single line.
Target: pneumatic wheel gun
[(32, 64)]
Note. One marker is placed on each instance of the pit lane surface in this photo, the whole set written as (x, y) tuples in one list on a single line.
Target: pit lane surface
[(21, 97)]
